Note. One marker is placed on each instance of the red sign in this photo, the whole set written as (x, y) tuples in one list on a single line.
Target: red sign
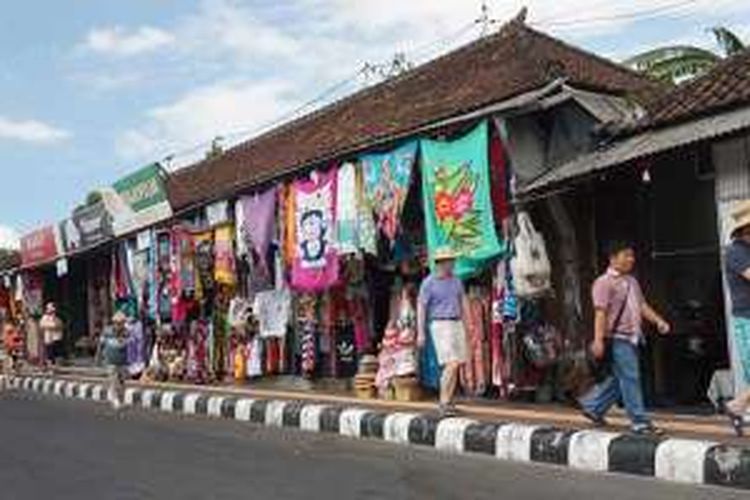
[(39, 247)]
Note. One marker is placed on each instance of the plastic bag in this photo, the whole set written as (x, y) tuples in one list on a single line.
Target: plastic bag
[(530, 265)]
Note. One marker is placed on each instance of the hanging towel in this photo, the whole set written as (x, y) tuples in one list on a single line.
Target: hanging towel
[(387, 180), (315, 266), (456, 191), (347, 223)]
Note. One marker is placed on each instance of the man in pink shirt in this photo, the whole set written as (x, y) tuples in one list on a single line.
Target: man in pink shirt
[(620, 309)]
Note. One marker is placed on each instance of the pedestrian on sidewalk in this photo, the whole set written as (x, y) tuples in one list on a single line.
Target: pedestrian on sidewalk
[(620, 309), (737, 263), (52, 333), (13, 344), (442, 313), (113, 350)]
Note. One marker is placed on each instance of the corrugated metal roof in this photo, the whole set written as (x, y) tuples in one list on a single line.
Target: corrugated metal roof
[(640, 146)]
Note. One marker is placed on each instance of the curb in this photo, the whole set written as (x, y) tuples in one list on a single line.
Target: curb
[(678, 460)]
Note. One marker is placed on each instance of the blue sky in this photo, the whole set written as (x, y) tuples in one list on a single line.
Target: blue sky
[(91, 90)]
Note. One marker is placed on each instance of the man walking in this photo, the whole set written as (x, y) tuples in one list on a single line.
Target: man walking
[(113, 348), (619, 312), (737, 259), (441, 313)]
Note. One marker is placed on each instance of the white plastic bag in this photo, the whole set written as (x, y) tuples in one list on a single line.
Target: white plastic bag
[(530, 266)]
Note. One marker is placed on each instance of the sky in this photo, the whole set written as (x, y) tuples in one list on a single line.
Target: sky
[(92, 90)]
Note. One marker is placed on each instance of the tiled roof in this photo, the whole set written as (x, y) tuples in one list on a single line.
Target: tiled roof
[(726, 86), (515, 60)]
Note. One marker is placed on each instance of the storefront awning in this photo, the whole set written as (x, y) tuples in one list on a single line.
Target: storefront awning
[(639, 146)]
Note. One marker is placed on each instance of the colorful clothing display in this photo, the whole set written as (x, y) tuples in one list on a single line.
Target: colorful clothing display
[(315, 266), (387, 179), (456, 192)]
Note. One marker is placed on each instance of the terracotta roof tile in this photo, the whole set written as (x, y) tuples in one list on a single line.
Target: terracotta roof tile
[(515, 60), (726, 86)]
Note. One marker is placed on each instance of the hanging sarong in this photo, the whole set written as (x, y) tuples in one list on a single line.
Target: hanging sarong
[(387, 179), (458, 210), (224, 263), (347, 214), (316, 265)]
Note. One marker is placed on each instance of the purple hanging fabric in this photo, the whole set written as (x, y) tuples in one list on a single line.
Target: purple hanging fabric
[(258, 218)]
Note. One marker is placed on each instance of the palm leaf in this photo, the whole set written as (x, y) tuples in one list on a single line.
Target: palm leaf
[(673, 62), (728, 41)]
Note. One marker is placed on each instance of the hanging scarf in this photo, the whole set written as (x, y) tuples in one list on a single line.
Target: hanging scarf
[(368, 240), (224, 263), (347, 216), (456, 191), (255, 230), (387, 179), (315, 266)]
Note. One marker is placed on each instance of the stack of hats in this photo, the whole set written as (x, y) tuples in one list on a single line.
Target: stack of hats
[(364, 381)]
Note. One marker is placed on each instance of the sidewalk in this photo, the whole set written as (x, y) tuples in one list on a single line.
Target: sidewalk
[(506, 433)]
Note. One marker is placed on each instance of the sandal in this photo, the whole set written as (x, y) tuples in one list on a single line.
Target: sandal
[(736, 421)]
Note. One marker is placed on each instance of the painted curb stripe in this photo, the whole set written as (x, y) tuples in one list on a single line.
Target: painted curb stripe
[(350, 422), (329, 419), (550, 446), (422, 430), (450, 434), (167, 401), (514, 442), (227, 407), (633, 454), (275, 414), (728, 466), (83, 391), (481, 438), (682, 460), (189, 403), (589, 450), (396, 427), (213, 406), (242, 409), (372, 425), (258, 412), (293, 414), (310, 418)]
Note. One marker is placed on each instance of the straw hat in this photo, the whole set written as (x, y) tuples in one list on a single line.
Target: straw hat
[(119, 317), (740, 216), (445, 253)]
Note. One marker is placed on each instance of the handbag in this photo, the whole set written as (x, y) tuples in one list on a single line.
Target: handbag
[(530, 265)]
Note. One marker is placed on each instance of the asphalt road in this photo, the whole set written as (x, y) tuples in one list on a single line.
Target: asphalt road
[(56, 449)]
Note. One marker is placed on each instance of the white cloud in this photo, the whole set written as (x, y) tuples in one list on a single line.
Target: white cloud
[(32, 131), (9, 238), (204, 113), (120, 41), (265, 59)]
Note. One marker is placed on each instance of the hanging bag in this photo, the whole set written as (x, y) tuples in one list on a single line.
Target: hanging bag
[(530, 265)]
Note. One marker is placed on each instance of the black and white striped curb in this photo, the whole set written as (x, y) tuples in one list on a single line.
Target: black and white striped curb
[(679, 460)]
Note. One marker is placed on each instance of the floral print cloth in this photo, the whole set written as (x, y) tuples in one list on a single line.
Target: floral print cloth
[(456, 191), (387, 180)]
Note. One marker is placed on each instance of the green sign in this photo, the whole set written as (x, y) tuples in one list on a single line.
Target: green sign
[(143, 197)]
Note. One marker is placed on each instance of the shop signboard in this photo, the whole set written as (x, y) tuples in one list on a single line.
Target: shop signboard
[(39, 247), (138, 200), (87, 227)]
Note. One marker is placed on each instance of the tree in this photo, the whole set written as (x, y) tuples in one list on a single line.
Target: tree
[(216, 149), (677, 63)]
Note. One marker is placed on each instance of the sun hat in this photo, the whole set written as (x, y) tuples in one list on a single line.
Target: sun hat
[(740, 216), (445, 253), (119, 317)]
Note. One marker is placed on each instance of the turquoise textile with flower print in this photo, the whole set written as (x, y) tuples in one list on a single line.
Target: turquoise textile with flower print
[(458, 209)]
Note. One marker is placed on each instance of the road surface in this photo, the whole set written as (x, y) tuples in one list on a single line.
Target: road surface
[(60, 449)]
